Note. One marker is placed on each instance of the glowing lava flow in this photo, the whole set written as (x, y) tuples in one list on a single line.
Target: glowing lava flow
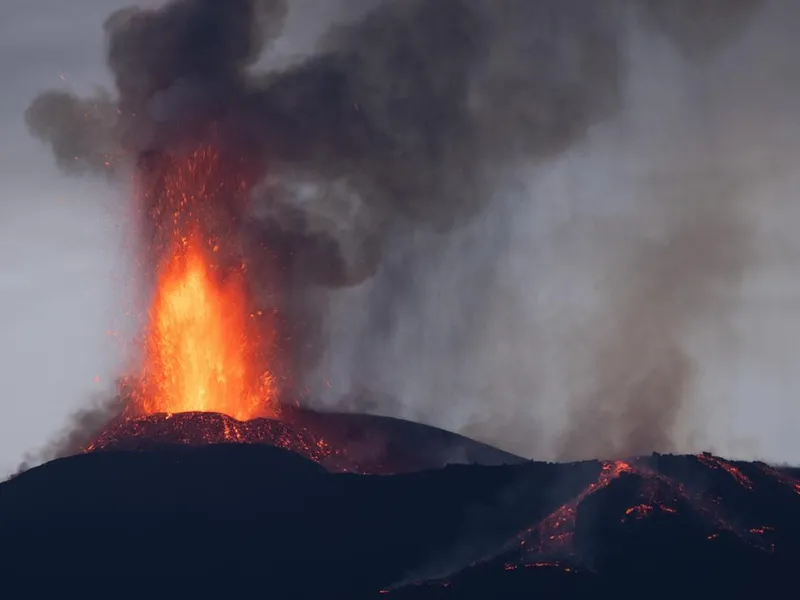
[(712, 462), (553, 536), (552, 540), (202, 350)]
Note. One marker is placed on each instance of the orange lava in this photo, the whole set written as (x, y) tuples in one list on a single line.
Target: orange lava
[(717, 463), (553, 536), (202, 350), (198, 354), (554, 533)]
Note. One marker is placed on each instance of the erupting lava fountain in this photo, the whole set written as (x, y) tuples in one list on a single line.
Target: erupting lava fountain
[(205, 348)]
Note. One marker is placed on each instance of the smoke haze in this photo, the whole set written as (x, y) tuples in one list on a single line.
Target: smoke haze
[(535, 223)]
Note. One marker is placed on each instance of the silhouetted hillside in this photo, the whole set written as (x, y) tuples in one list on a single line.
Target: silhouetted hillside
[(463, 531), (341, 442)]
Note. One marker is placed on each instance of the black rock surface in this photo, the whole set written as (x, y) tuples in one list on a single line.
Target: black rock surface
[(462, 531)]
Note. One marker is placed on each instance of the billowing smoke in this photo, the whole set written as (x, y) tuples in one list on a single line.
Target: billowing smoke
[(391, 170)]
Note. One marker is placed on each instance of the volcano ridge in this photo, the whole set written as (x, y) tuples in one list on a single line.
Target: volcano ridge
[(458, 532), (342, 442)]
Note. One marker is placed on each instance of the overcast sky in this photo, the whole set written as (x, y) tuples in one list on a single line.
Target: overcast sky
[(60, 236), (63, 263)]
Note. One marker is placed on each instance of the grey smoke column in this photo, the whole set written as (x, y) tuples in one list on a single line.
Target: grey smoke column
[(405, 119)]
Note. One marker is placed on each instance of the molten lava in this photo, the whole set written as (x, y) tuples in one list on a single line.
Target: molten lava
[(656, 495), (199, 352), (203, 350)]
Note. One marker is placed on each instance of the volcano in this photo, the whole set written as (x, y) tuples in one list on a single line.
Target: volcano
[(153, 493), (259, 195)]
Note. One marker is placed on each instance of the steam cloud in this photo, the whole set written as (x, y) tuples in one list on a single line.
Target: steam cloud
[(392, 164)]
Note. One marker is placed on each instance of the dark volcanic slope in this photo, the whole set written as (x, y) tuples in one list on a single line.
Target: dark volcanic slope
[(340, 442), (667, 517), (252, 509), (458, 532)]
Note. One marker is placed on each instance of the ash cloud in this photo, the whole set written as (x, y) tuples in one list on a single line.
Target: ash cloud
[(385, 162), (79, 130), (415, 106)]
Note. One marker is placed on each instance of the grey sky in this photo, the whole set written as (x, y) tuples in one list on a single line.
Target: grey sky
[(60, 237), (63, 266)]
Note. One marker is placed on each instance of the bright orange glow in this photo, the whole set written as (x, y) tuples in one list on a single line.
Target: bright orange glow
[(197, 350), (202, 350)]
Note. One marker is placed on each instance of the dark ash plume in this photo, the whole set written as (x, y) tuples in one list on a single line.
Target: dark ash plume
[(405, 119), (81, 131), (415, 105), (415, 110)]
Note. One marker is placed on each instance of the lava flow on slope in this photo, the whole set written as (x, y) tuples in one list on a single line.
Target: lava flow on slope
[(653, 493), (701, 500), (681, 515)]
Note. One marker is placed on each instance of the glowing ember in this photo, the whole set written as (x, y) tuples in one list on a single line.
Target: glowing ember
[(201, 429), (202, 351)]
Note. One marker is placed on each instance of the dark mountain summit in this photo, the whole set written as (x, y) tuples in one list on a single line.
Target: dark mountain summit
[(462, 531)]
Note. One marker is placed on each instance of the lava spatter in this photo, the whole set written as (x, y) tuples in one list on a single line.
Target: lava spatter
[(200, 429), (202, 351)]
